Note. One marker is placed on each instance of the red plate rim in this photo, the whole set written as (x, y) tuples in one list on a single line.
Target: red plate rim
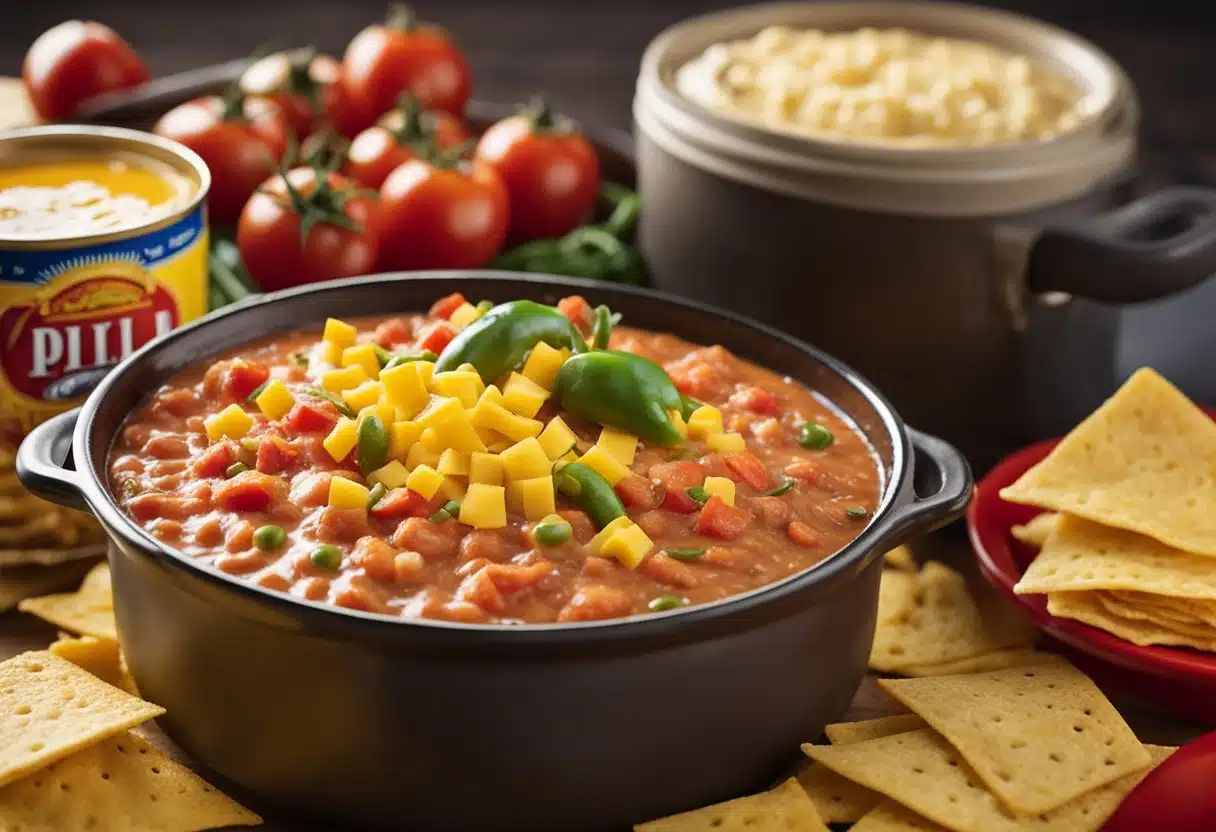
[(1002, 559)]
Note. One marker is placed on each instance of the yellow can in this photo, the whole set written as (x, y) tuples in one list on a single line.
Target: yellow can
[(103, 246)]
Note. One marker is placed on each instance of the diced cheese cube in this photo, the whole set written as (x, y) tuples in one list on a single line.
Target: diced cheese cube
[(629, 546), (458, 433), (431, 441), (232, 422), (536, 497), (726, 443), (604, 464), (339, 333), (544, 362), (344, 493), (525, 460), (453, 489), (420, 455), (275, 400), (463, 315), (365, 395), (348, 378), (386, 414), (425, 480), (405, 388), (499, 446), (341, 439), (569, 456), (619, 445), (491, 394), (677, 421), (722, 487), (487, 414), (453, 463), (704, 421), (485, 468), (557, 438), (459, 384), (523, 396), (392, 475), (596, 544), (401, 437), (438, 410), (362, 355), (426, 371), (330, 353), (484, 507), (515, 497)]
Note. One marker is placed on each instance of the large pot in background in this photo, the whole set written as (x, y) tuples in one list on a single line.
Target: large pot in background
[(979, 287)]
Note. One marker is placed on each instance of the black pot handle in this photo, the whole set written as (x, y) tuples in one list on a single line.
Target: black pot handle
[(943, 483), (1160, 244), (40, 462)]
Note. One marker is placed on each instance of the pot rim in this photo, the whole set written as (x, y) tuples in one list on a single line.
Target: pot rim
[(851, 558)]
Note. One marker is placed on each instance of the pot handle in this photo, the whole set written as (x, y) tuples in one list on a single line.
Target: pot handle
[(38, 465), (1160, 244), (940, 473)]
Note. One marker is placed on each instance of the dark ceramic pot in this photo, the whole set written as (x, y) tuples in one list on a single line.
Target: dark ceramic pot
[(364, 720)]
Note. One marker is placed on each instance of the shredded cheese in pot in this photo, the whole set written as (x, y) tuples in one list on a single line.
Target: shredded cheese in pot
[(74, 209)]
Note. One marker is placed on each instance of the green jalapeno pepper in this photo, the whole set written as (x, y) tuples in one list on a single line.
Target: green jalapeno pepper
[(620, 390), (590, 492), (498, 341), (371, 449)]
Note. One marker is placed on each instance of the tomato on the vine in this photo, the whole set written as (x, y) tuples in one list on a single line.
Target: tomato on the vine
[(403, 134), (240, 138), (307, 86), (74, 61), (400, 55), (305, 226), (549, 168), (445, 214)]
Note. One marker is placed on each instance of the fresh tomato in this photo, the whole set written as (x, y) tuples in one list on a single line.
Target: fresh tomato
[(240, 138), (307, 87), (74, 61), (294, 231), (403, 134), (436, 217), (384, 60), (550, 170)]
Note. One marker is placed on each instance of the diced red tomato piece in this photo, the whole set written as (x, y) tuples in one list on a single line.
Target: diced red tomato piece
[(758, 400), (746, 468), (405, 502), (393, 332), (439, 337), (638, 492), (275, 455), (719, 520), (248, 491), (677, 478), (803, 470), (701, 381), (312, 416), (677, 500), (577, 310), (214, 461), (444, 307), (802, 534), (243, 377)]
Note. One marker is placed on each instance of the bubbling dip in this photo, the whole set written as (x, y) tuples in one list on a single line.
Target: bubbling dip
[(884, 86), (58, 198)]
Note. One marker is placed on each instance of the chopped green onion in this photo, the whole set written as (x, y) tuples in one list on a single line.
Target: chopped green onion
[(666, 602), (257, 391), (397, 360), (327, 556), (691, 553), (552, 534), (452, 508), (234, 469), (601, 329), (784, 488), (383, 356), (815, 436), (698, 494), (375, 495), (856, 512), (322, 393), (269, 537)]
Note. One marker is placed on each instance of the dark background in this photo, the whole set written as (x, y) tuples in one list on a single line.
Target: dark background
[(585, 53)]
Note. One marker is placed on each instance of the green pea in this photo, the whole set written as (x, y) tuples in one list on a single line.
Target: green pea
[(815, 436), (666, 602), (327, 556), (856, 512), (372, 448), (441, 516), (375, 495), (698, 494), (269, 537), (691, 553), (234, 469), (784, 488), (552, 534)]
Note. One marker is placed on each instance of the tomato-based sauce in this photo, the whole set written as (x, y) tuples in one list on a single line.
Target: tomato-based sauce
[(464, 510)]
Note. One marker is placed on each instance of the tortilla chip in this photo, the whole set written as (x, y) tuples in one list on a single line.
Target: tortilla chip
[(836, 799), (845, 733), (924, 773), (1162, 616), (889, 816), (1081, 606), (88, 611), (53, 709), (120, 783), (1037, 736), (782, 809), (23, 582), (1189, 610), (901, 557), (996, 660), (99, 656), (1036, 532), (1143, 461), (1083, 555)]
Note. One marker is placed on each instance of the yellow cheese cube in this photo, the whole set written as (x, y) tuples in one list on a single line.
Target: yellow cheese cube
[(459, 384), (468, 368), (726, 443), (405, 388), (463, 315), (619, 445), (629, 546), (339, 333), (596, 544), (344, 493), (704, 421), (453, 463), (677, 421), (722, 487), (523, 396), (425, 480), (385, 413), (525, 460), (459, 433), (362, 355), (330, 353), (557, 438), (341, 439), (484, 507), (232, 422), (605, 464), (491, 394), (348, 378), (431, 441), (392, 475), (275, 400), (419, 454), (544, 362), (365, 395), (401, 437), (438, 410), (453, 489), (487, 414), (569, 456), (426, 371), (515, 497), (499, 446), (485, 468), (535, 497)]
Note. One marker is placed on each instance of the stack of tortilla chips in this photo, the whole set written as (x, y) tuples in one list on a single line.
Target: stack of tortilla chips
[(1129, 545)]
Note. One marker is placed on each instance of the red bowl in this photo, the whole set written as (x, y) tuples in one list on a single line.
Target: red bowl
[(1177, 681)]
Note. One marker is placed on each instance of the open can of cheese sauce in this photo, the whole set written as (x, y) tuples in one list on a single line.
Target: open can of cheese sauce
[(103, 246)]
